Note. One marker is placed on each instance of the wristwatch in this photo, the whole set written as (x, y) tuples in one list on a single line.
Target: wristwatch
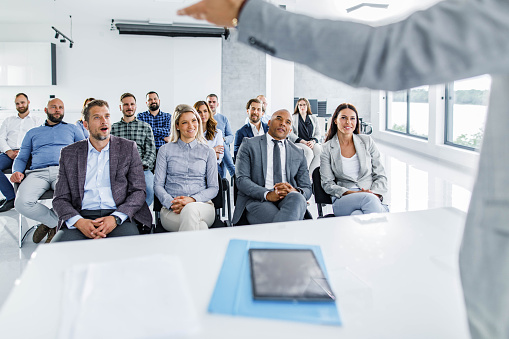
[(117, 219)]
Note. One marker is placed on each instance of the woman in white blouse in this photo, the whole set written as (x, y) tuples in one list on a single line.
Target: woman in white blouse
[(211, 133), (350, 167)]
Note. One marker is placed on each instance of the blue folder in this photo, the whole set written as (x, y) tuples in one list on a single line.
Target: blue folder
[(233, 294)]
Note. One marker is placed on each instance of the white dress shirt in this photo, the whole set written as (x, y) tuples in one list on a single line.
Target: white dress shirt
[(13, 131), (97, 195), (256, 131), (269, 178)]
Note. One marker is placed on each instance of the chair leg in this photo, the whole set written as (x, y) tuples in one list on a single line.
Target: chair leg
[(229, 207), (320, 212), (21, 235)]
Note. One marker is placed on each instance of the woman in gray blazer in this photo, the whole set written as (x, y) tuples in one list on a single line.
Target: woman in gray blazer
[(306, 133), (350, 166)]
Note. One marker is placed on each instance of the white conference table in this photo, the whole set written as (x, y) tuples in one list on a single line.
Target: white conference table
[(395, 276)]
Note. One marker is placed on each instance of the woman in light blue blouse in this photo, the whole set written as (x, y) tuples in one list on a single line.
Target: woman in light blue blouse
[(185, 178), (350, 167), (211, 133)]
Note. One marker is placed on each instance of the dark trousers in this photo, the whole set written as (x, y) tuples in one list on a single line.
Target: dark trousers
[(125, 229), (5, 185)]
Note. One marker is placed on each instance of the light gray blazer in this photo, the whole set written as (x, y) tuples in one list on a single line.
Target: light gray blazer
[(449, 41), (294, 135), (251, 169), (371, 173)]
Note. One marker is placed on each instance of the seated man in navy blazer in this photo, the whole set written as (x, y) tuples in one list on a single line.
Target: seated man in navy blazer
[(255, 125), (272, 176), (100, 191)]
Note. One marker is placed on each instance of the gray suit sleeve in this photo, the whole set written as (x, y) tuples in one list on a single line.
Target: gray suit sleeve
[(453, 39), (328, 179), (379, 185), (243, 173), (302, 177), (317, 134)]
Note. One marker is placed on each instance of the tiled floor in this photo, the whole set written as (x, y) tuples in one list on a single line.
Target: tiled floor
[(415, 183)]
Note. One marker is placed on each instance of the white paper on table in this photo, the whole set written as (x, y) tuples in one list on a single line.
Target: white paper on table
[(146, 297)]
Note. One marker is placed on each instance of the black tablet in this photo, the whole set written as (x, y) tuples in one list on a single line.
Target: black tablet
[(288, 274)]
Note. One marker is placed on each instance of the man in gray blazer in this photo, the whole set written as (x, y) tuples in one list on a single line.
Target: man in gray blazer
[(100, 191), (451, 40), (271, 190)]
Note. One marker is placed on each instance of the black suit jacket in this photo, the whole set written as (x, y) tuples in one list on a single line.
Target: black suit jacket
[(245, 132)]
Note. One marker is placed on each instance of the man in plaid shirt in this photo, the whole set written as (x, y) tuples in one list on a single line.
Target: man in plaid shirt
[(157, 119), (141, 133)]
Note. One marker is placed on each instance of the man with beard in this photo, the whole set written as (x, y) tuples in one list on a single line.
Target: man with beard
[(100, 190), (272, 176), (12, 132), (265, 117), (141, 133), (254, 127), (42, 145), (157, 119), (224, 125)]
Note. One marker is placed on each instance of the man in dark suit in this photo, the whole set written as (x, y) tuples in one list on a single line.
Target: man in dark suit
[(255, 125), (100, 190), (272, 176)]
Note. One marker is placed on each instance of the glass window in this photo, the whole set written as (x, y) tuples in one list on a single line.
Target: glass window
[(407, 112), (396, 112), (466, 111), (418, 119)]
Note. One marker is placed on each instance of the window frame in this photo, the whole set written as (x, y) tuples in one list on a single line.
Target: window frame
[(407, 133)]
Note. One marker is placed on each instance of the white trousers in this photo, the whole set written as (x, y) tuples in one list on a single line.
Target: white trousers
[(193, 217)]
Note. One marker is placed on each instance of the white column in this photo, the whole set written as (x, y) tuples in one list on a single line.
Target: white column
[(280, 84)]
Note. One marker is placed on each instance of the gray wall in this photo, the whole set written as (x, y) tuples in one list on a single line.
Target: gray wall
[(243, 77), (313, 85)]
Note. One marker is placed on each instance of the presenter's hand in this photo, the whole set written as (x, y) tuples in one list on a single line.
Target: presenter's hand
[(218, 12), (87, 227), (12, 154), (310, 143), (17, 177), (105, 225)]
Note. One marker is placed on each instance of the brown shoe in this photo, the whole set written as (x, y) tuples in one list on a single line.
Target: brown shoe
[(51, 234), (40, 233)]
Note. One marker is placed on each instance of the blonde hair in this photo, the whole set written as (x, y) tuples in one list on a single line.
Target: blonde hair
[(175, 133)]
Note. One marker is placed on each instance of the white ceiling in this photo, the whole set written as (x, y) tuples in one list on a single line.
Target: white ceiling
[(56, 12)]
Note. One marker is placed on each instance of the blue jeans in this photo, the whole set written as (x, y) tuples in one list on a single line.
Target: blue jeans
[(5, 185), (149, 182), (227, 162), (358, 203)]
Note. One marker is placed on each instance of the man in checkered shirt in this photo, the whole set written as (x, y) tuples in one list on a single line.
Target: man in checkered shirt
[(141, 133), (157, 119)]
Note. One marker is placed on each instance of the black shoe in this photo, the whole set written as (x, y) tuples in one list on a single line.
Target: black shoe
[(40, 232), (51, 234), (9, 204)]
